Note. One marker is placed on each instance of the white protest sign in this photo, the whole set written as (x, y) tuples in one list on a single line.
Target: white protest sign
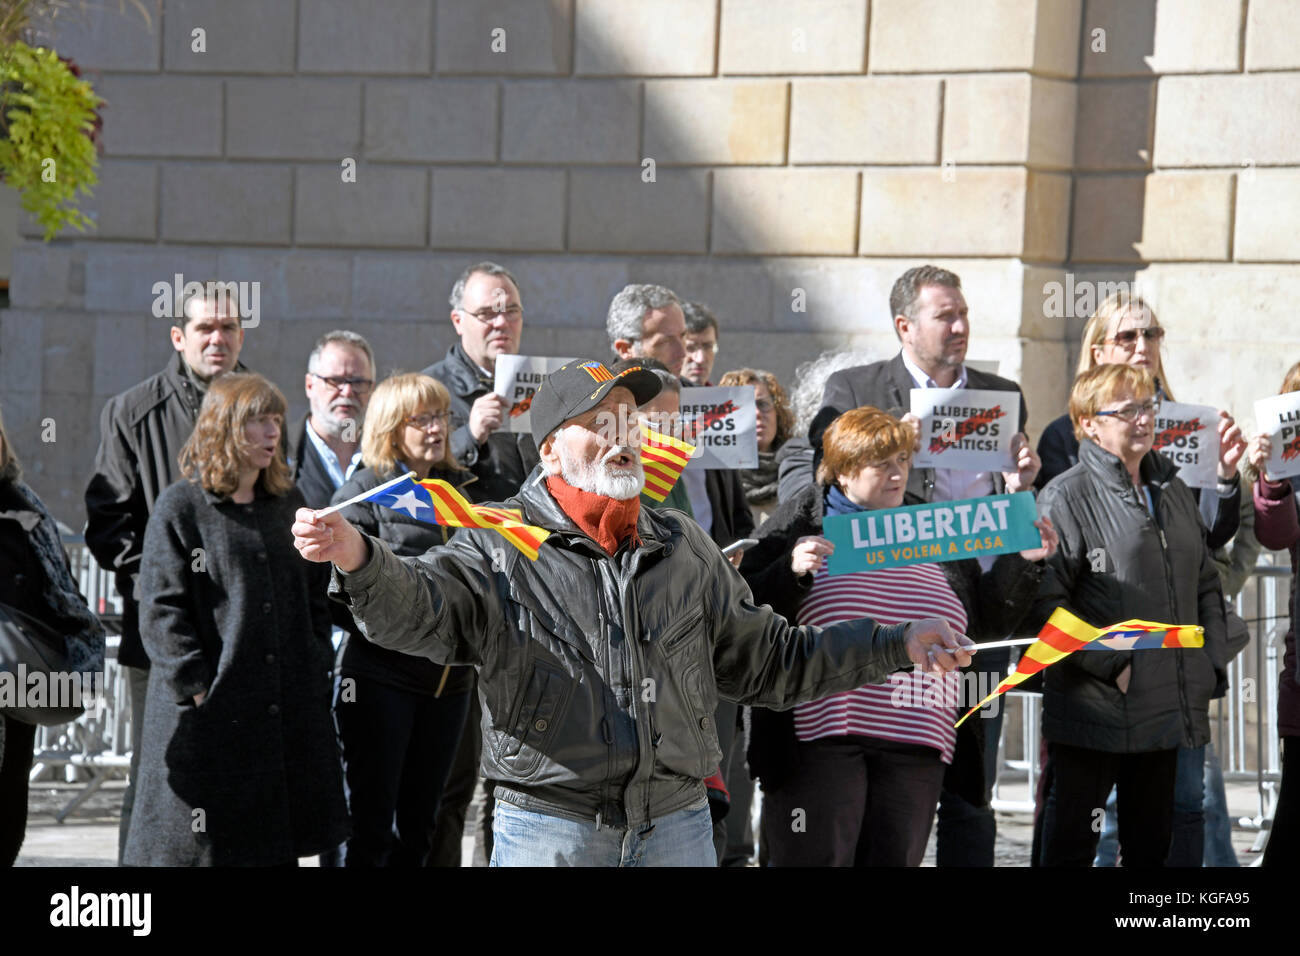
[(1279, 418), (1188, 435), (721, 424), (517, 378), (968, 429)]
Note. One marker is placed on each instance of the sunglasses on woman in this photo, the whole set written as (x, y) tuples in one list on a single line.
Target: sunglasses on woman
[(1128, 338)]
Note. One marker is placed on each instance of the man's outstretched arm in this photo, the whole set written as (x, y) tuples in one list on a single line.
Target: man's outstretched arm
[(439, 605)]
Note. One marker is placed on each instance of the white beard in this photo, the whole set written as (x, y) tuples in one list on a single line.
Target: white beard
[(599, 478)]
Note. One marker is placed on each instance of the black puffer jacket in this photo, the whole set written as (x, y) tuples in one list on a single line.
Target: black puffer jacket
[(1117, 562), (996, 601), (503, 461), (408, 537), (1059, 450), (599, 676)]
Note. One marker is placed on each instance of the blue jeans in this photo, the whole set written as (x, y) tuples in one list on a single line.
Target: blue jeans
[(1218, 825), (527, 838), (1187, 848)]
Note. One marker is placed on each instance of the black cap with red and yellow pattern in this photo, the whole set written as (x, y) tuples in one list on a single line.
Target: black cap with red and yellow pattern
[(580, 386)]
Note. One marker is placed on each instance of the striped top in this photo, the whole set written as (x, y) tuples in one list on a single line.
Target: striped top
[(910, 708)]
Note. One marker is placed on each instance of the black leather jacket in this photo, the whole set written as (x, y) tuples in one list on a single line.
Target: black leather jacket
[(599, 676), (1116, 562)]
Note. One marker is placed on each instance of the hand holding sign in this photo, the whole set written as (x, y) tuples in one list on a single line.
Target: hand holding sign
[(1279, 418), (1051, 540), (485, 416), (808, 554), (1258, 453), (1028, 464), (1232, 445)]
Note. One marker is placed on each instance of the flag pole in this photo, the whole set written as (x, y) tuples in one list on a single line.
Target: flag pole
[(364, 495), (988, 646)]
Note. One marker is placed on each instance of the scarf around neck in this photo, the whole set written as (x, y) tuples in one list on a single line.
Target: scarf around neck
[(760, 483), (605, 520), (837, 503)]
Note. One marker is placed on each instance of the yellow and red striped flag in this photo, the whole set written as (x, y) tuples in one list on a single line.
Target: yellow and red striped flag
[(662, 459), (1063, 634), (435, 501)]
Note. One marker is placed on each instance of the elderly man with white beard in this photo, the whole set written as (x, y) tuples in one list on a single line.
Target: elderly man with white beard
[(600, 663)]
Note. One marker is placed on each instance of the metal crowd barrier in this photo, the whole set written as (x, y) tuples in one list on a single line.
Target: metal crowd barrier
[(96, 747), (1251, 700)]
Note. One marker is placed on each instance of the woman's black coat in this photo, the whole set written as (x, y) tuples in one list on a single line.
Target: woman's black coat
[(995, 601), (1119, 562), (251, 776)]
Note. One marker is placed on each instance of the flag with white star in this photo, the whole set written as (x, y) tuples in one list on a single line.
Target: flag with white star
[(437, 502)]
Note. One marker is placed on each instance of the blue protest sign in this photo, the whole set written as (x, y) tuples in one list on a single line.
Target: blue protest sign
[(941, 531)]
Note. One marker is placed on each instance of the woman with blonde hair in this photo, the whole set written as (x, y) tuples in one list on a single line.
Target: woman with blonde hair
[(239, 764), (1125, 331), (401, 717)]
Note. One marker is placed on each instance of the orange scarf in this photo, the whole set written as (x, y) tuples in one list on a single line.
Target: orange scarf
[(606, 521)]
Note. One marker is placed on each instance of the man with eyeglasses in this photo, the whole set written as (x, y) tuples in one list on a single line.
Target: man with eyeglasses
[(141, 432), (340, 378), (488, 315)]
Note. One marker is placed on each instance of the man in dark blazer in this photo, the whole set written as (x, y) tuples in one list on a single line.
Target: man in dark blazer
[(931, 320)]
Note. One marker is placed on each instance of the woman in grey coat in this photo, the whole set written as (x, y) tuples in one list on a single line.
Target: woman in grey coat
[(239, 763), (1132, 546)]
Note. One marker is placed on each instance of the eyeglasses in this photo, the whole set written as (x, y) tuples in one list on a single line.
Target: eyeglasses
[(1132, 412), (423, 422), (764, 405), (487, 314), (1128, 338), (335, 382)]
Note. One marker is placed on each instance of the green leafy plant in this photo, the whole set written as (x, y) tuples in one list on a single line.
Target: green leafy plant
[(47, 121)]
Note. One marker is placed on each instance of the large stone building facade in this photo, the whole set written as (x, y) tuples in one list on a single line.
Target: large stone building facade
[(781, 160)]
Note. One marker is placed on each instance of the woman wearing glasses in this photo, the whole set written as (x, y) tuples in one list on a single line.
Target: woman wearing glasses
[(1131, 547), (400, 717), (1124, 331), (775, 423)]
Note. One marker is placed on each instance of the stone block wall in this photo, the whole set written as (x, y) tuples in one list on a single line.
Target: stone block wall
[(757, 155)]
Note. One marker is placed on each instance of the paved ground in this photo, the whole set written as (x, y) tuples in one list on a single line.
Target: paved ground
[(89, 837)]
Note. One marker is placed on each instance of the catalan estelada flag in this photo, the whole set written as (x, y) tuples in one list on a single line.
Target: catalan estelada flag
[(662, 459), (597, 371), (1063, 634), (437, 502)]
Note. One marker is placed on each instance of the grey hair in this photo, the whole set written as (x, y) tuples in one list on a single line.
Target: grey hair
[(486, 268), (627, 310), (810, 381), (699, 317), (340, 337)]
